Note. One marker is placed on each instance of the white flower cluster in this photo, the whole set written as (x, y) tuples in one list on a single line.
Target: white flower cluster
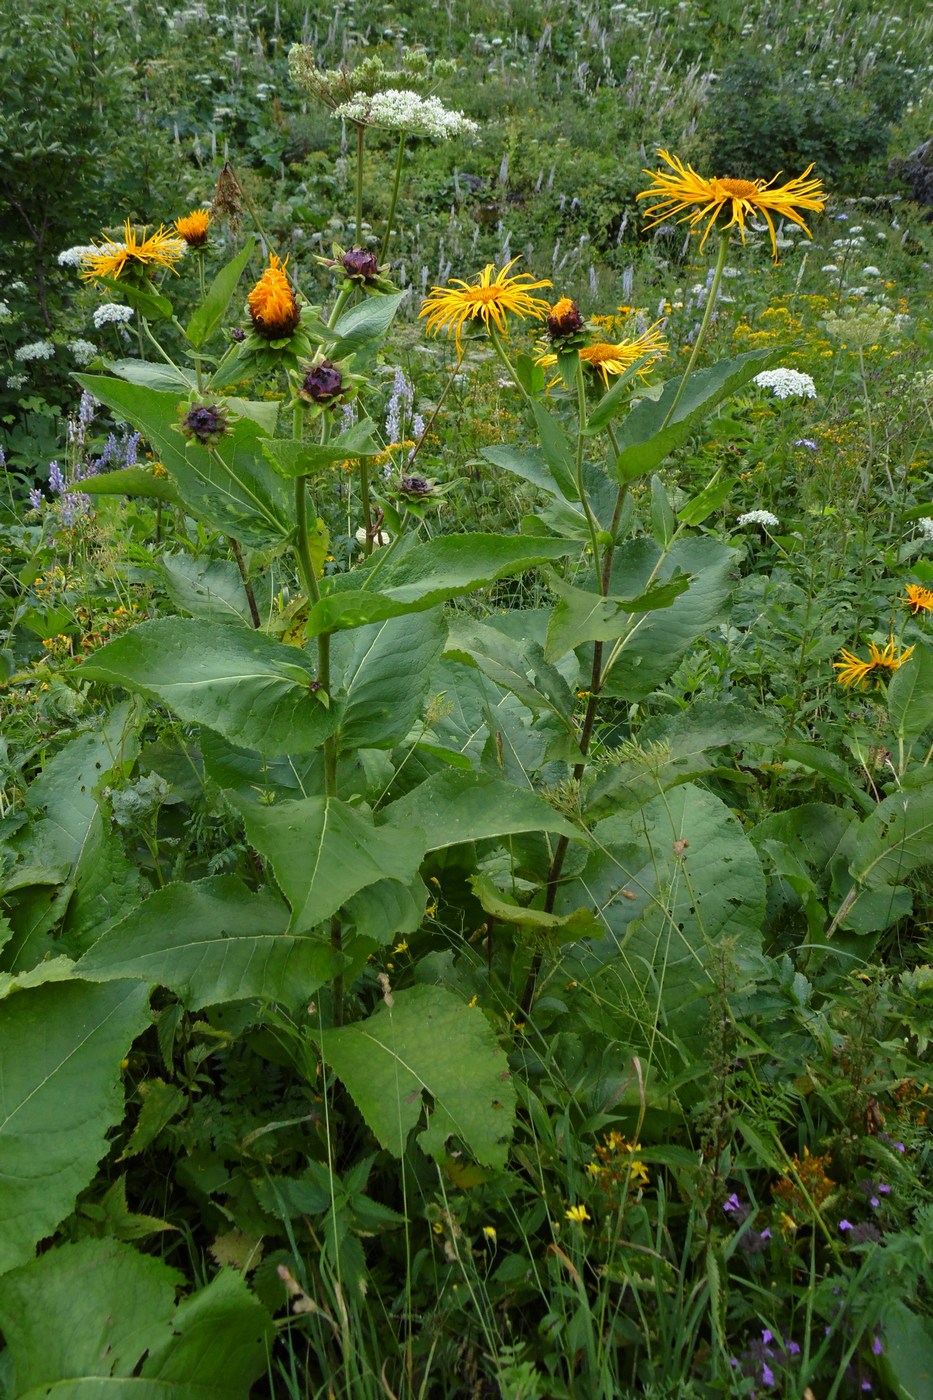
[(16, 381), (926, 527), (399, 109), (74, 257), (786, 383), (5, 313), (83, 350), (759, 517), (112, 313), (36, 350)]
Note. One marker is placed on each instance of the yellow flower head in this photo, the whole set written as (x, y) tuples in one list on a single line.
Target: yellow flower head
[(682, 189), (140, 255), (578, 1214), (272, 303), (193, 227), (881, 662), (606, 359), (919, 599), (489, 299)]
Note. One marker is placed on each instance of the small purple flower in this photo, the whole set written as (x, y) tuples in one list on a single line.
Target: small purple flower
[(131, 450), (733, 1203), (845, 1225), (767, 1375), (767, 1335), (56, 480), (36, 498), (808, 443), (793, 1348), (876, 1346)]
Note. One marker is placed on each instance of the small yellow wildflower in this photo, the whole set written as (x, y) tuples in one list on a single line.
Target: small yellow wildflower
[(919, 599), (578, 1214), (193, 227), (401, 947), (854, 671), (490, 1233), (136, 254)]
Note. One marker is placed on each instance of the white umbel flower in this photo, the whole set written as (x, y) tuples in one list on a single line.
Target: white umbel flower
[(926, 527), (759, 517), (399, 109), (786, 383), (112, 313), (84, 351), (73, 257), (35, 350)]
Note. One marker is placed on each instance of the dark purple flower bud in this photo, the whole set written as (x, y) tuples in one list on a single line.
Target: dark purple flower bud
[(358, 262), (237, 335), (206, 422), (564, 319), (416, 485), (322, 383)]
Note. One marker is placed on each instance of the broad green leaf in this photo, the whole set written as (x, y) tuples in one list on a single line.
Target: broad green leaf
[(659, 640), (663, 523), (455, 806), (701, 506), (910, 695), (365, 325), (895, 840), (526, 463), (291, 459), (251, 689), (210, 313), (426, 1040), (830, 767), (153, 374), (231, 485), (521, 669), (906, 1363), (580, 616), (130, 481), (324, 851), (60, 1093), (213, 941), (206, 588), (145, 300), (644, 444), (674, 750), (580, 923), (615, 399), (556, 451), (693, 883), (386, 673), (386, 910), (98, 1318), (429, 573)]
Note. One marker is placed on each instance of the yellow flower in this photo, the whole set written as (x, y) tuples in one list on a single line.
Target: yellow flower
[(490, 1233), (272, 304), (488, 299), (854, 671), (193, 227), (578, 1214), (682, 188), (605, 359), (919, 599), (134, 254)]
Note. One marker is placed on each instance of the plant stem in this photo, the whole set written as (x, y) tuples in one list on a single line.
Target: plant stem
[(500, 351), (399, 161), (142, 322), (339, 304), (366, 507), (581, 489), (704, 325), (247, 585), (360, 135)]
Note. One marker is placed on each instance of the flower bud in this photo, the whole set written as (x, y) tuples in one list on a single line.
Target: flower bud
[(322, 384), (358, 262), (205, 422), (564, 319)]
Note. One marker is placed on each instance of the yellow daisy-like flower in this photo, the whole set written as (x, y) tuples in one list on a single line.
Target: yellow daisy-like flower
[(854, 671), (607, 360), (272, 304), (578, 1214), (919, 599), (136, 254), (193, 227), (681, 188), (490, 299)]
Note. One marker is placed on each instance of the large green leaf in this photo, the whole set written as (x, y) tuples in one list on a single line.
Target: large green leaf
[(644, 444), (455, 806), (556, 450), (323, 851), (910, 695), (529, 464), (581, 616), (231, 485), (291, 458), (425, 1040), (693, 886), (130, 481), (60, 1092), (97, 1318), (206, 588), (208, 316), (430, 573), (516, 666), (213, 941), (251, 689), (895, 840), (153, 374), (658, 641), (365, 325), (386, 672)]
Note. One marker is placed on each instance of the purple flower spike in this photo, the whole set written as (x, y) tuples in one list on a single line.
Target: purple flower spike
[(36, 498), (56, 480)]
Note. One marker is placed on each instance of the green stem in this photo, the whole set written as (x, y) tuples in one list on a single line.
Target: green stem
[(339, 304), (500, 351), (165, 356), (366, 507), (360, 135), (399, 161), (385, 553), (704, 325), (581, 489)]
